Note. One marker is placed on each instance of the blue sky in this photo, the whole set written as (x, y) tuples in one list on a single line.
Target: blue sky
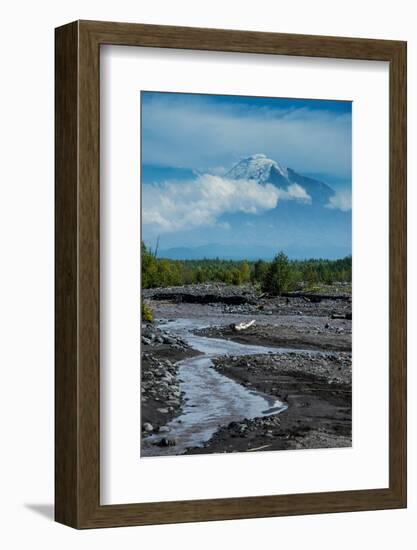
[(190, 141)]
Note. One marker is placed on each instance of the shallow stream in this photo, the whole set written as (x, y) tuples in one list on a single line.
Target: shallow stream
[(211, 399)]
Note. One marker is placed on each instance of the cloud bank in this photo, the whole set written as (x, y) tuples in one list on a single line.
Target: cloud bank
[(169, 206), (196, 132), (341, 201)]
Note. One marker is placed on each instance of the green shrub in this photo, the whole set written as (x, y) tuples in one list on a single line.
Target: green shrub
[(147, 313), (277, 276), (280, 277)]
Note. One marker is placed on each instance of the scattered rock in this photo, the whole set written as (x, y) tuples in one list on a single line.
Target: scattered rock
[(161, 397), (163, 429), (245, 299), (147, 427), (165, 442)]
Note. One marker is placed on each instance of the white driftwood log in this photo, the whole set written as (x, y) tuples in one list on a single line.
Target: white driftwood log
[(243, 326)]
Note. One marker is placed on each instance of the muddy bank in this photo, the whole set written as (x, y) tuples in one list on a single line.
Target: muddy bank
[(320, 335), (317, 389), (190, 298), (161, 398), (248, 300)]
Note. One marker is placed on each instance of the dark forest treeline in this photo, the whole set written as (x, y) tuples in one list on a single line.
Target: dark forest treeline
[(279, 275)]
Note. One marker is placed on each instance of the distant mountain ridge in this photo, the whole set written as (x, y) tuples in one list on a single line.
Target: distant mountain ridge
[(251, 252), (216, 250), (264, 170)]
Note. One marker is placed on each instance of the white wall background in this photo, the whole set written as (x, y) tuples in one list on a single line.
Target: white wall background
[(26, 271)]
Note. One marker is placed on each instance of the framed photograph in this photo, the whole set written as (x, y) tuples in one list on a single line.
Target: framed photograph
[(230, 274)]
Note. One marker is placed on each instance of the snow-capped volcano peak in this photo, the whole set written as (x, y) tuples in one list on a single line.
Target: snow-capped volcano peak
[(257, 167), (264, 170)]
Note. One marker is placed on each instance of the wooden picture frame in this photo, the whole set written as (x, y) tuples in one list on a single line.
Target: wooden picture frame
[(77, 384)]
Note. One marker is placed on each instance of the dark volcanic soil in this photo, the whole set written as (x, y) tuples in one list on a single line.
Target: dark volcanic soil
[(246, 300), (317, 389), (321, 336)]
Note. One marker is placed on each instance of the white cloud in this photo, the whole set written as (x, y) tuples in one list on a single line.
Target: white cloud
[(174, 206), (341, 201), (198, 134), (295, 191)]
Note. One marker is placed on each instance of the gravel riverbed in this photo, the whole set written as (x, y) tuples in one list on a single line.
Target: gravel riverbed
[(314, 381), (161, 397)]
